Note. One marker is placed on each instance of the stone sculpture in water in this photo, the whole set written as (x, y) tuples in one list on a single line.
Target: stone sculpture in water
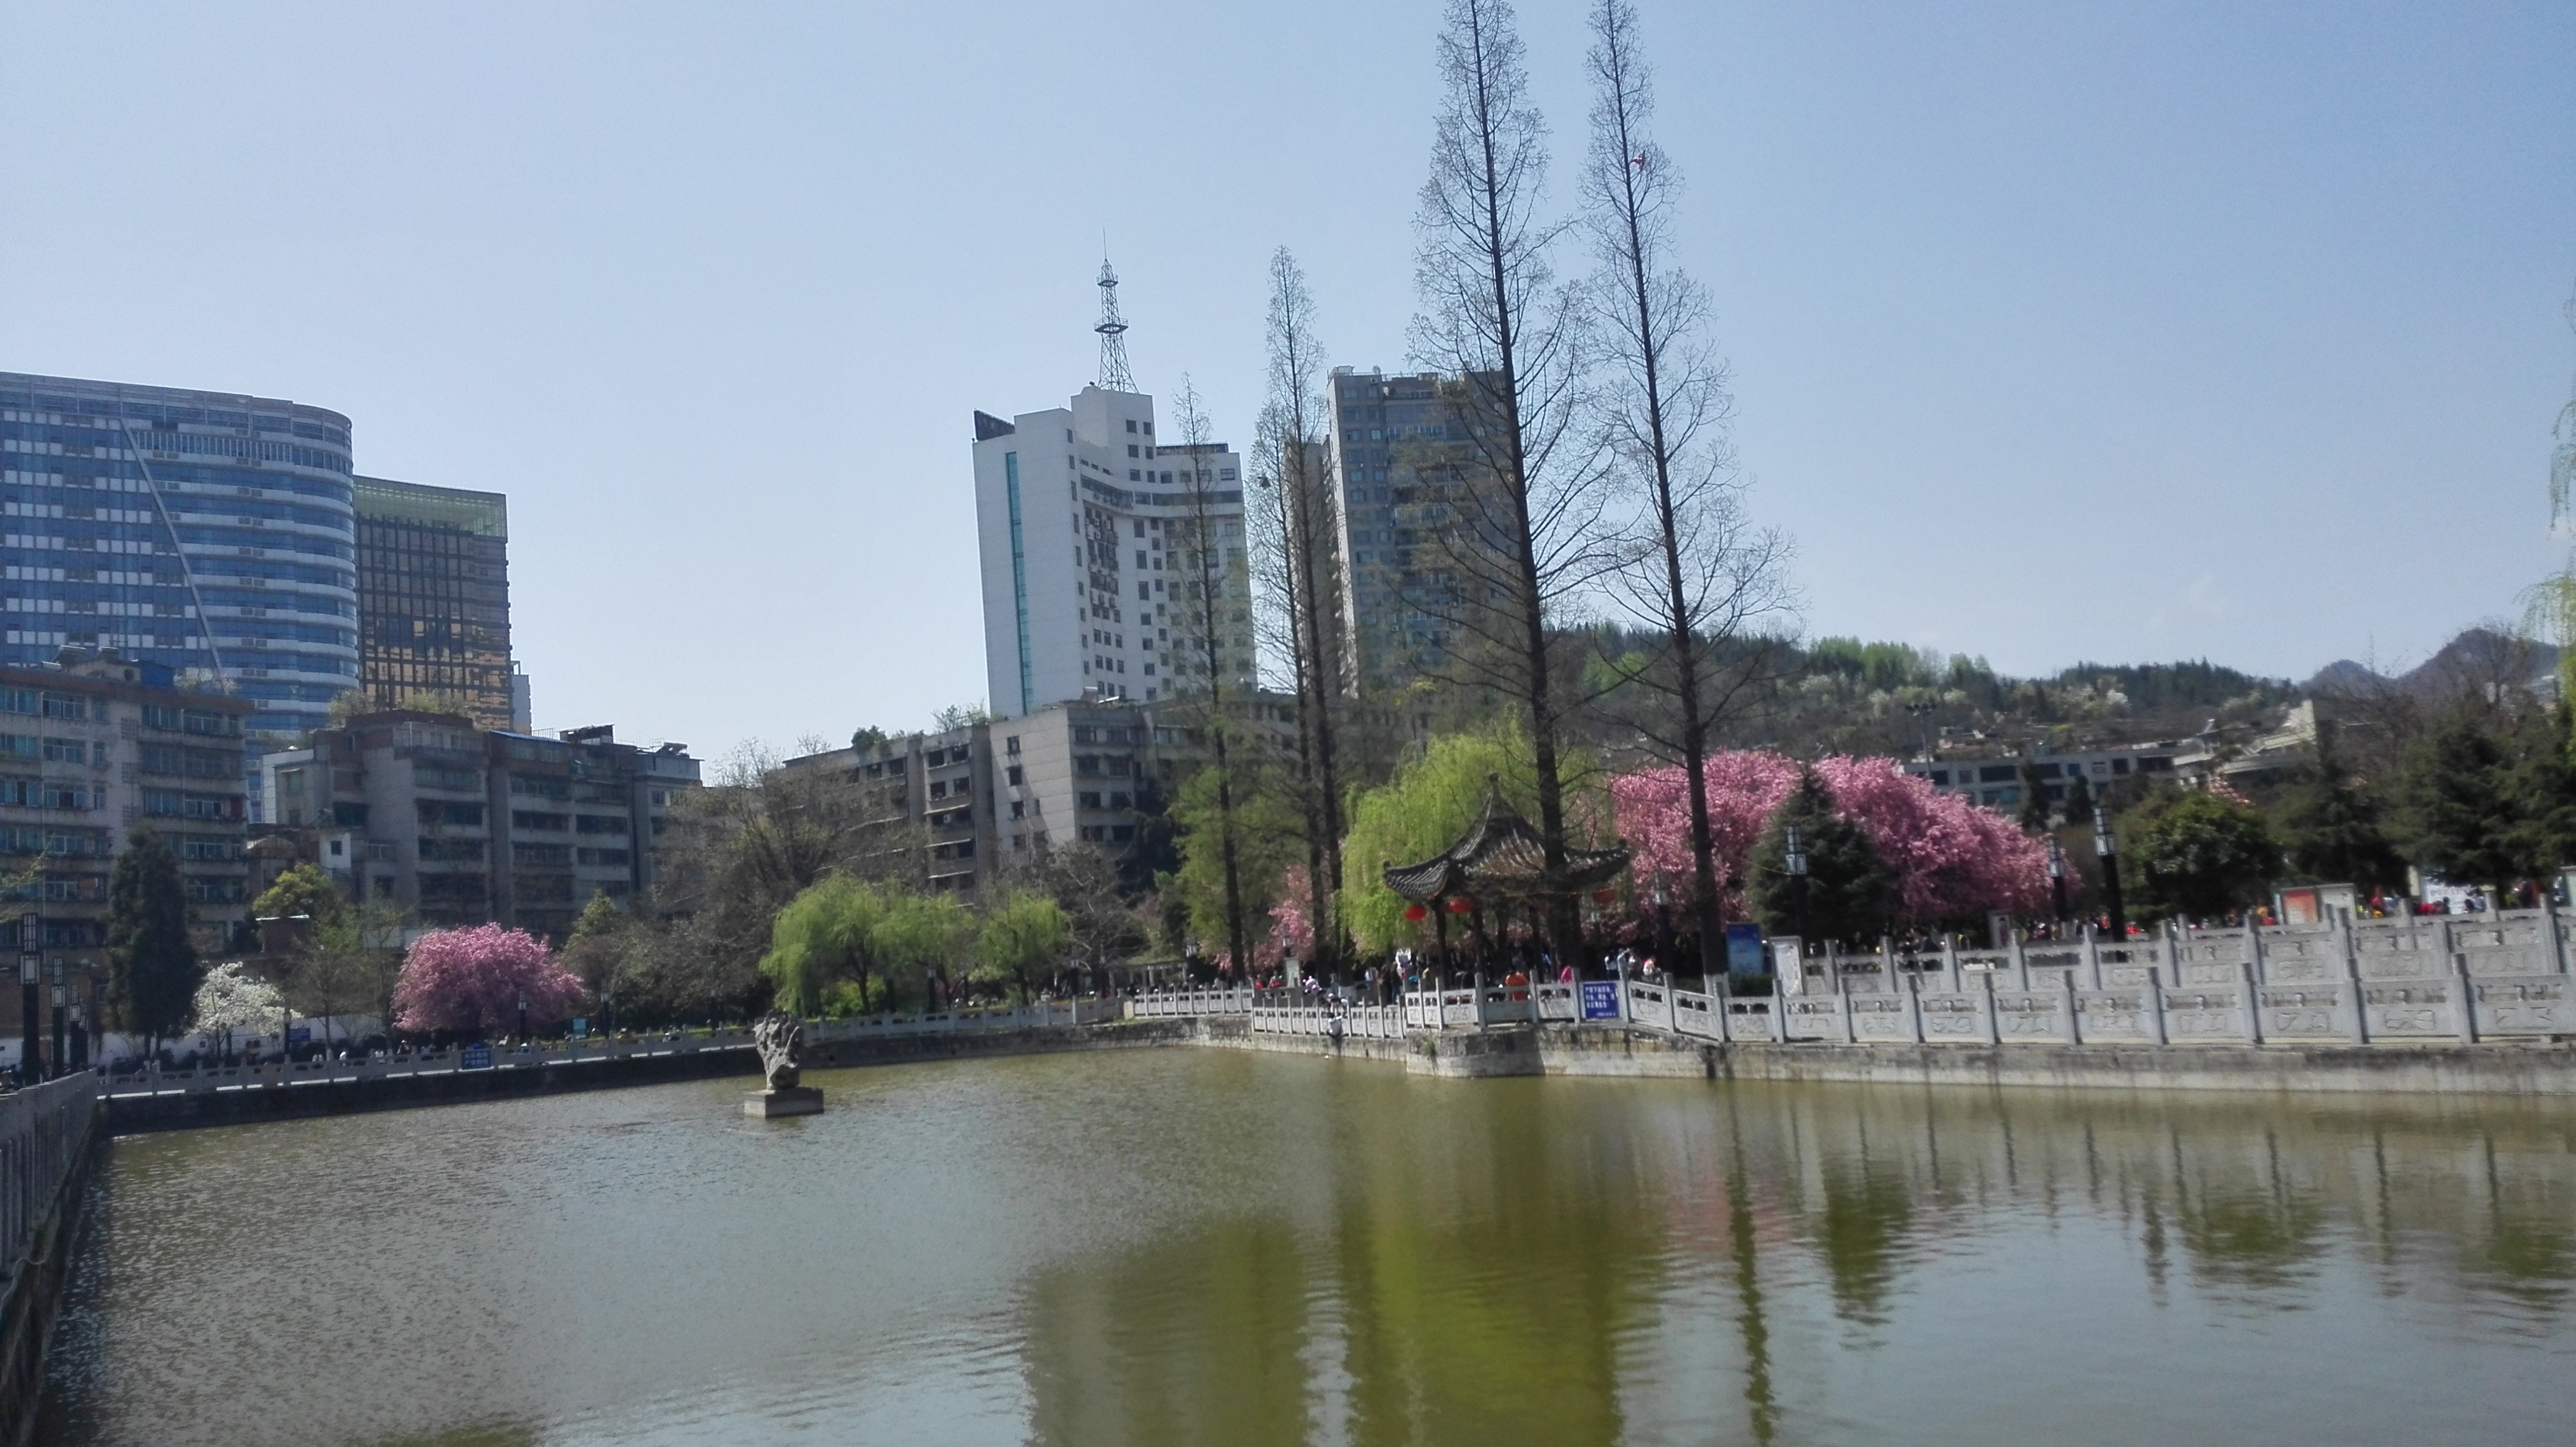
[(779, 1037)]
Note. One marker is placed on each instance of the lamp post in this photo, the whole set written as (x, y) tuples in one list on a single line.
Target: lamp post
[(523, 1019), (1794, 860), (2057, 875), (2109, 848), (80, 1037), (60, 1000), (31, 964)]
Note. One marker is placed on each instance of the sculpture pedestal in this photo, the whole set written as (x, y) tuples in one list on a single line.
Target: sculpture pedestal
[(794, 1100)]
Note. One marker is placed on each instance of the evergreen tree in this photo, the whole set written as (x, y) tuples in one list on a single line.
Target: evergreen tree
[(2459, 805), (2034, 798), (2332, 825), (2079, 803), (152, 968), (1850, 891), (301, 891), (2542, 782), (2199, 856)]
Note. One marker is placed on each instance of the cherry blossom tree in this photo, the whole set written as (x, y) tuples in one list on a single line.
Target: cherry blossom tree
[(470, 979), (1952, 859)]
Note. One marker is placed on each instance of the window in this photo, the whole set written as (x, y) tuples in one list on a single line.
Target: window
[(1013, 774), (1997, 774), (1121, 801), (214, 846), (224, 890), (451, 851), (1121, 833), (541, 854), (1019, 809), (603, 824), (538, 786), (1086, 764), (1131, 426), (543, 823), (432, 776), (18, 700), (1011, 745), (66, 706), (608, 858), (349, 816), (207, 721), (71, 751), (441, 811), (1131, 447), (1087, 801)]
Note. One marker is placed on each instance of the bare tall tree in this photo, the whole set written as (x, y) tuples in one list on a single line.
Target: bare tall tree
[(1698, 572), (1203, 549), (1519, 540), (1301, 572)]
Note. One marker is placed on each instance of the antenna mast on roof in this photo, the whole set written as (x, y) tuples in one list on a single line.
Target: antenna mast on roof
[(1113, 335)]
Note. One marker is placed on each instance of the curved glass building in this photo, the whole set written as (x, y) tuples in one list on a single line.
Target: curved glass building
[(207, 531)]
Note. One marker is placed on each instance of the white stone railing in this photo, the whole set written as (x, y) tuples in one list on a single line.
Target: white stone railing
[(42, 1131)]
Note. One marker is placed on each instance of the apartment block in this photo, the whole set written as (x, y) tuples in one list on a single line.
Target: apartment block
[(1994, 779), (1392, 437), (1100, 593), (457, 825), (92, 748)]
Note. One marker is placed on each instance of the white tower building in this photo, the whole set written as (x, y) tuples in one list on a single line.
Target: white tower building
[(1094, 592)]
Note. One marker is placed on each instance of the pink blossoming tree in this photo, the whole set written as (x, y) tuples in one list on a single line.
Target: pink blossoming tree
[(1952, 859), (472, 979)]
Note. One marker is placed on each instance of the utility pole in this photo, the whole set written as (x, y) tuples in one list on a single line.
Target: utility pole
[(2109, 848)]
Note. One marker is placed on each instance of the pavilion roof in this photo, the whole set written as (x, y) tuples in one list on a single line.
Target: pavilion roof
[(1502, 855)]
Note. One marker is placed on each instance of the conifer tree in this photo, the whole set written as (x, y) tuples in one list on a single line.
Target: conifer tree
[(1850, 891), (2458, 807), (152, 967), (2333, 827)]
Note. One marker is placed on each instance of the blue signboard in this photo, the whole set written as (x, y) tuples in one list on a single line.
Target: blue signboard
[(580, 1026), (300, 1035), (1601, 999), (1744, 948), (475, 1057)]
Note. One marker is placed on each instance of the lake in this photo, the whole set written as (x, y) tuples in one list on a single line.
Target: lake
[(1215, 1246)]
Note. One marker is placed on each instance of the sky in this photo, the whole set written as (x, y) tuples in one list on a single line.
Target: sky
[(2058, 333)]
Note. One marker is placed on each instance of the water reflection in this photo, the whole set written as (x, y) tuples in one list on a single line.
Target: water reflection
[(1223, 1248)]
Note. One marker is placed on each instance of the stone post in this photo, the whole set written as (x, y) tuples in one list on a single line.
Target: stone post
[(2356, 1021), (1950, 962), (2153, 1016), (1887, 962), (2072, 1024), (2553, 937), (1842, 1011), (2249, 993), (2092, 958), (1717, 1005), (1914, 1010), (1479, 988), (2464, 997), (2450, 947), (1672, 1006), (2020, 961), (1986, 1007), (2254, 947), (1779, 1013)]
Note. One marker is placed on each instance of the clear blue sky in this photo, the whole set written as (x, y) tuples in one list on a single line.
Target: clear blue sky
[(2059, 331)]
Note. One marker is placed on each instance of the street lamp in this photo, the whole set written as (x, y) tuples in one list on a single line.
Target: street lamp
[(60, 1000), (523, 1019), (2057, 875), (1794, 860), (31, 964), (2109, 848), (80, 1037)]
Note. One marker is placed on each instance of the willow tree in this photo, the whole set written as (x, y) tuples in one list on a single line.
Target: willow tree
[(1697, 571), (1515, 516)]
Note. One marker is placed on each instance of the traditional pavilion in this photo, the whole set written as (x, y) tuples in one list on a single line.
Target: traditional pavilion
[(1501, 859)]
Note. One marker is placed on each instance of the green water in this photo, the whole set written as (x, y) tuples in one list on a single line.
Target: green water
[(1205, 1246)]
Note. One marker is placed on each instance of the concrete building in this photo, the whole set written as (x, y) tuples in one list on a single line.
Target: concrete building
[(1993, 778), (434, 599), (982, 797), (1387, 431), (208, 533), (1092, 595), (92, 748), (455, 824)]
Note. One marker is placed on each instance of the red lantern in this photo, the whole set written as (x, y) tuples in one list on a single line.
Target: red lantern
[(1462, 906), (1604, 896), (1415, 913)]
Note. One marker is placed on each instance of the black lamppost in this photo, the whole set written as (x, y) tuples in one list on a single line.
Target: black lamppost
[(2057, 875), (80, 1037), (60, 1000), (2109, 848), (1794, 861), (31, 964), (523, 1020)]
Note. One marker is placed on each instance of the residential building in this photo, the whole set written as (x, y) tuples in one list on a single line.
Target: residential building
[(1390, 436), (456, 825), (984, 796), (434, 599), (208, 533), (1096, 597), (1994, 778), (93, 747)]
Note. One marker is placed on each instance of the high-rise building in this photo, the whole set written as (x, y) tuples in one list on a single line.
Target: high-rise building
[(207, 532), (1386, 432), (1095, 594), (434, 598)]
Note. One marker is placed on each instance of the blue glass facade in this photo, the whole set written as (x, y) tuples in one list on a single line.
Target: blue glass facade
[(207, 531)]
